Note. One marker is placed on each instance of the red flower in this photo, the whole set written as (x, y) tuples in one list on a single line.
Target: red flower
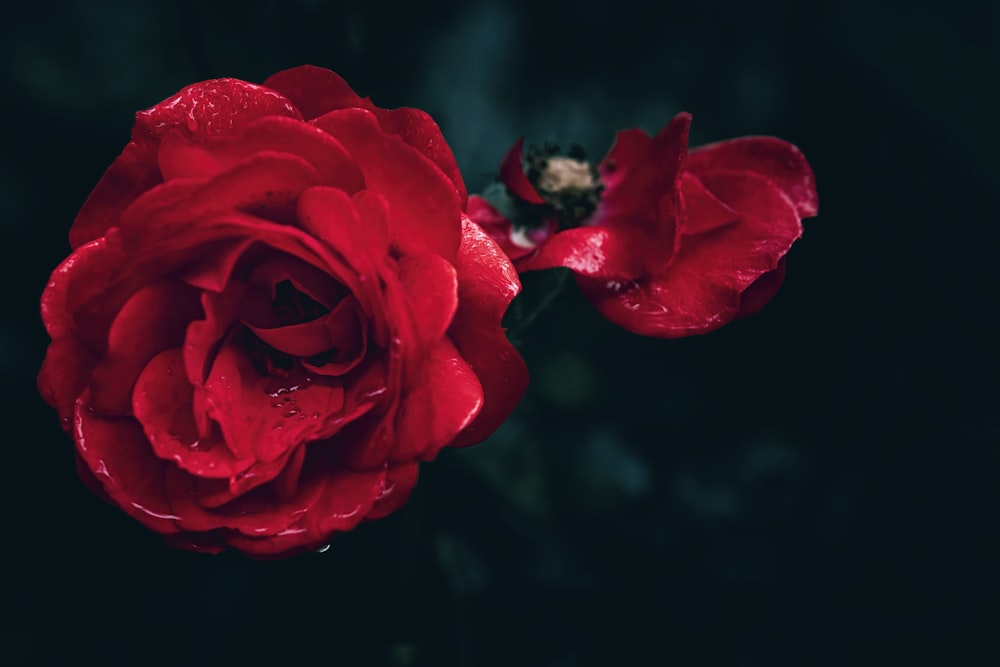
[(274, 310), (663, 242)]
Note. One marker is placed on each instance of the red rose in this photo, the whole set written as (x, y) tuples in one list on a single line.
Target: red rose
[(663, 242), (274, 310)]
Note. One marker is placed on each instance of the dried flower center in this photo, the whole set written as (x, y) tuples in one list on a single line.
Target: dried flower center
[(567, 183), (562, 174)]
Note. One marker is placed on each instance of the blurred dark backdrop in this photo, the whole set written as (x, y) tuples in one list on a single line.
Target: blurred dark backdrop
[(815, 485)]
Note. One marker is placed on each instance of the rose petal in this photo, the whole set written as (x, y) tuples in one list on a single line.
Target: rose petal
[(627, 151), (266, 185), (200, 110), (347, 329), (424, 206), (487, 283), (330, 214), (419, 130), (761, 291), (431, 287), (257, 513), (641, 179), (701, 289), (438, 406), (778, 161), (396, 488), (183, 157), (357, 229), (162, 402), (599, 252), (205, 336), (337, 331), (215, 267), (154, 319), (212, 107), (68, 360), (118, 455), (316, 91), (267, 417), (347, 498), (703, 211)]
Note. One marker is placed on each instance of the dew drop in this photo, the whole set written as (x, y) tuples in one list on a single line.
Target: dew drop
[(323, 549)]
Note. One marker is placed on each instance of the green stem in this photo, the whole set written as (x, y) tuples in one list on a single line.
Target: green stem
[(522, 321)]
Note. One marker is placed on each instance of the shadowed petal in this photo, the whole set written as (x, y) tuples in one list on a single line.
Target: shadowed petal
[(117, 454), (154, 319)]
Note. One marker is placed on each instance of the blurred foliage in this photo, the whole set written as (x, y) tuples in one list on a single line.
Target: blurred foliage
[(815, 485)]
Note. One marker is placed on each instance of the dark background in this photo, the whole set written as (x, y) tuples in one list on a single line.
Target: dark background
[(815, 485)]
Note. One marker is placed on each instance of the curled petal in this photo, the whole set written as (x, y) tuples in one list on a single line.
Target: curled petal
[(700, 290), (647, 171), (513, 176), (776, 160)]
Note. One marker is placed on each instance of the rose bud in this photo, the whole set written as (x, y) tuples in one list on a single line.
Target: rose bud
[(274, 310), (664, 242)]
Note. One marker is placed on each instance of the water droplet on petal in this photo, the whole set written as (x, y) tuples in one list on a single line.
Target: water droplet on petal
[(323, 549)]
